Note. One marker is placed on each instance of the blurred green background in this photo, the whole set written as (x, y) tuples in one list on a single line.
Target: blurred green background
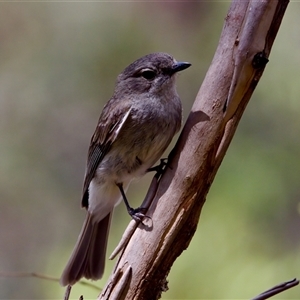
[(58, 65)]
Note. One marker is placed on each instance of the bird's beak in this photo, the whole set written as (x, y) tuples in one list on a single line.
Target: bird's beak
[(180, 66)]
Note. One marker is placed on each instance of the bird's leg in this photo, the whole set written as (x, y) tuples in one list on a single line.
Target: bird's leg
[(136, 214), (159, 169), (144, 207)]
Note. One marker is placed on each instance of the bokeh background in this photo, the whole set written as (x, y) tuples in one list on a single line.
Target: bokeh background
[(58, 65)]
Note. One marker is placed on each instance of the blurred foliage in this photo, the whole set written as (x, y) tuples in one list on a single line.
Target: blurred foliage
[(59, 62)]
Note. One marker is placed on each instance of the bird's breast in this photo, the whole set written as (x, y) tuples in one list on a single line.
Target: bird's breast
[(142, 140)]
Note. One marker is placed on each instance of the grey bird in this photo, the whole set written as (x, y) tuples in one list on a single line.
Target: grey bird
[(134, 129)]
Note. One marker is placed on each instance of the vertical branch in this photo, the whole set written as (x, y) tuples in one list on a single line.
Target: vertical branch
[(245, 44)]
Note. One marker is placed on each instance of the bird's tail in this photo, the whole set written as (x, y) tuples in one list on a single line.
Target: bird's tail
[(88, 257)]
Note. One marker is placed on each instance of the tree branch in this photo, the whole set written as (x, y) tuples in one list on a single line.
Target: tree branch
[(277, 289), (245, 44)]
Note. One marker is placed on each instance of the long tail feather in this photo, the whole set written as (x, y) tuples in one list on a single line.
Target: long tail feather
[(88, 257)]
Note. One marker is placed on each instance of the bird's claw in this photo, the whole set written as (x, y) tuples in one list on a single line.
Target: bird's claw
[(137, 214), (159, 169)]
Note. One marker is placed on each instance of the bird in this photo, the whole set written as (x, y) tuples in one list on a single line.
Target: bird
[(134, 129)]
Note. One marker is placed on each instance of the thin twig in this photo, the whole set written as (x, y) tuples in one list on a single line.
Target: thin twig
[(28, 274), (277, 289), (67, 293), (41, 276)]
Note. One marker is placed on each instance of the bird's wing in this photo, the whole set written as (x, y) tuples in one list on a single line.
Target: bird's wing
[(110, 123)]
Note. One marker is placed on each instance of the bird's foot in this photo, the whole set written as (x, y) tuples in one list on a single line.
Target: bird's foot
[(159, 169), (138, 214)]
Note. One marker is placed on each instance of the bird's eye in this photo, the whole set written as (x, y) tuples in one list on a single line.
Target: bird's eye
[(148, 74)]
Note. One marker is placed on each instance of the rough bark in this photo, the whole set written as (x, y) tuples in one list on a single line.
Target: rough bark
[(249, 31)]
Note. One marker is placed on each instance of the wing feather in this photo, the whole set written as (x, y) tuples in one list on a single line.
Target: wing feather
[(109, 125)]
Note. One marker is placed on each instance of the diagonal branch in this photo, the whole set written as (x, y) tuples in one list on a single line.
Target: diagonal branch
[(277, 289), (245, 44)]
